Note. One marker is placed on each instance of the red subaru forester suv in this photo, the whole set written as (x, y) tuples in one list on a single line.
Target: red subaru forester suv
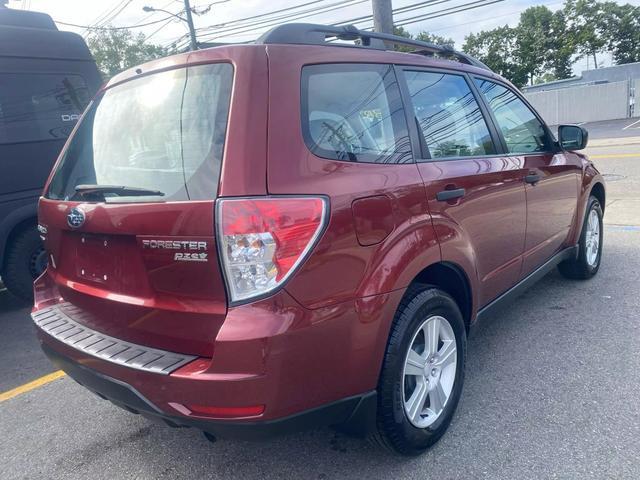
[(253, 239)]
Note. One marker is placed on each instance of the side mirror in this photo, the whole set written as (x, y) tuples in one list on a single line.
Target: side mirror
[(572, 137)]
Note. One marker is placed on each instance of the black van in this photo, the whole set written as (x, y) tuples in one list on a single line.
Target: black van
[(47, 77)]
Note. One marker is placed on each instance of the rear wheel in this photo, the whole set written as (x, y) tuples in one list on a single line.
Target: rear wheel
[(587, 263), (26, 260), (423, 372)]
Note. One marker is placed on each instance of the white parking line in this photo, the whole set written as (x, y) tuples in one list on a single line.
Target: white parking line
[(632, 124)]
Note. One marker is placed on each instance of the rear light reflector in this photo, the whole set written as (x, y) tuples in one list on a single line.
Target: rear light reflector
[(263, 239), (227, 412), (219, 412)]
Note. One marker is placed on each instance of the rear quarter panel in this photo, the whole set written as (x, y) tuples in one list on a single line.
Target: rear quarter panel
[(341, 268)]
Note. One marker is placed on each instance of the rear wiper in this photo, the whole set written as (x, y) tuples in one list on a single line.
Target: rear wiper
[(120, 190)]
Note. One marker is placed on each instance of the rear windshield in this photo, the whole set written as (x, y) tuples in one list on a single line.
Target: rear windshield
[(161, 136)]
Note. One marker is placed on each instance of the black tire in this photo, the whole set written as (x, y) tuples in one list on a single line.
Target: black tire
[(394, 431), (23, 263), (579, 268)]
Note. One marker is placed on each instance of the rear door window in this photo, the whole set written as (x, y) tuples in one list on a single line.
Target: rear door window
[(163, 132), (36, 107), (448, 115), (354, 113), (522, 131)]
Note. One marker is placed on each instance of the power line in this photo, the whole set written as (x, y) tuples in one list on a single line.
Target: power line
[(396, 11), (405, 9), (89, 27), (155, 12), (159, 28), (264, 24), (481, 20), (169, 20), (245, 23), (279, 20), (110, 19), (441, 13), (450, 11), (309, 12), (231, 22), (105, 15)]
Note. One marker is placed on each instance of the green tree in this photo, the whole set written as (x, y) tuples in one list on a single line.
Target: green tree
[(545, 44), (437, 39), (422, 36), (544, 78), (539, 46), (116, 50), (498, 50), (561, 47), (584, 20), (532, 36), (621, 27)]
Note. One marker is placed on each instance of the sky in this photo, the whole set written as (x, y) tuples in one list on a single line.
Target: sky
[(454, 25)]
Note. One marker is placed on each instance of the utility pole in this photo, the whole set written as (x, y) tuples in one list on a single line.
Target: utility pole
[(193, 44), (382, 16), (192, 30)]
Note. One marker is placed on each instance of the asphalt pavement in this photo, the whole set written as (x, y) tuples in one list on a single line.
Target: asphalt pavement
[(551, 391), (626, 127)]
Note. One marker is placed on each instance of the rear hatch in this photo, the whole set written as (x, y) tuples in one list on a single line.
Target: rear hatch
[(129, 211)]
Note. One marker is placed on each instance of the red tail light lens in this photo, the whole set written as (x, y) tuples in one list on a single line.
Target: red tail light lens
[(226, 412), (262, 240)]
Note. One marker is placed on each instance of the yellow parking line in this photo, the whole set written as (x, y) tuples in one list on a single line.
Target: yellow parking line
[(38, 382), (615, 155)]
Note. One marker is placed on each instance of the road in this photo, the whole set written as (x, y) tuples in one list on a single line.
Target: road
[(551, 391), (626, 127)]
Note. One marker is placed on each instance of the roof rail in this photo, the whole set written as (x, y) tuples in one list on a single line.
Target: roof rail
[(314, 34)]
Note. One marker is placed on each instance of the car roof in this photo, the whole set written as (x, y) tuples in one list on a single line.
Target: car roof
[(304, 54), (35, 35), (23, 18)]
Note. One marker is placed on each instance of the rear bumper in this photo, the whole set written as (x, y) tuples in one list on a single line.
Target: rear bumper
[(356, 413), (296, 366)]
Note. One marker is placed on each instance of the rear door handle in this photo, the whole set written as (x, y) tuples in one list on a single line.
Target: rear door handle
[(446, 195), (532, 178)]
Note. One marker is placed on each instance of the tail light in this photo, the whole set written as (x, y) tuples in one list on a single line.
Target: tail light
[(263, 239)]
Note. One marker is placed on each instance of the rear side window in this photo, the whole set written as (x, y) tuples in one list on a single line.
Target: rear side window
[(35, 107), (163, 132), (448, 115), (354, 113), (522, 130)]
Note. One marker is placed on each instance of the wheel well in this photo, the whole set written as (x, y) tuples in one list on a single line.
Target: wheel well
[(598, 192), (451, 279), (15, 230)]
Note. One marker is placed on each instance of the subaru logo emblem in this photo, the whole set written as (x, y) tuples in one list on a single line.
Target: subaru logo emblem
[(75, 218)]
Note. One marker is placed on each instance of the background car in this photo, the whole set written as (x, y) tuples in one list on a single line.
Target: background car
[(47, 78)]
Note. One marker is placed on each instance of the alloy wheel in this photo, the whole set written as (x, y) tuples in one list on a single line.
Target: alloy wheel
[(429, 371), (592, 238)]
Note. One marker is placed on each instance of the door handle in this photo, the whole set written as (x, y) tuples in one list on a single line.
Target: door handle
[(446, 195), (532, 178)]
